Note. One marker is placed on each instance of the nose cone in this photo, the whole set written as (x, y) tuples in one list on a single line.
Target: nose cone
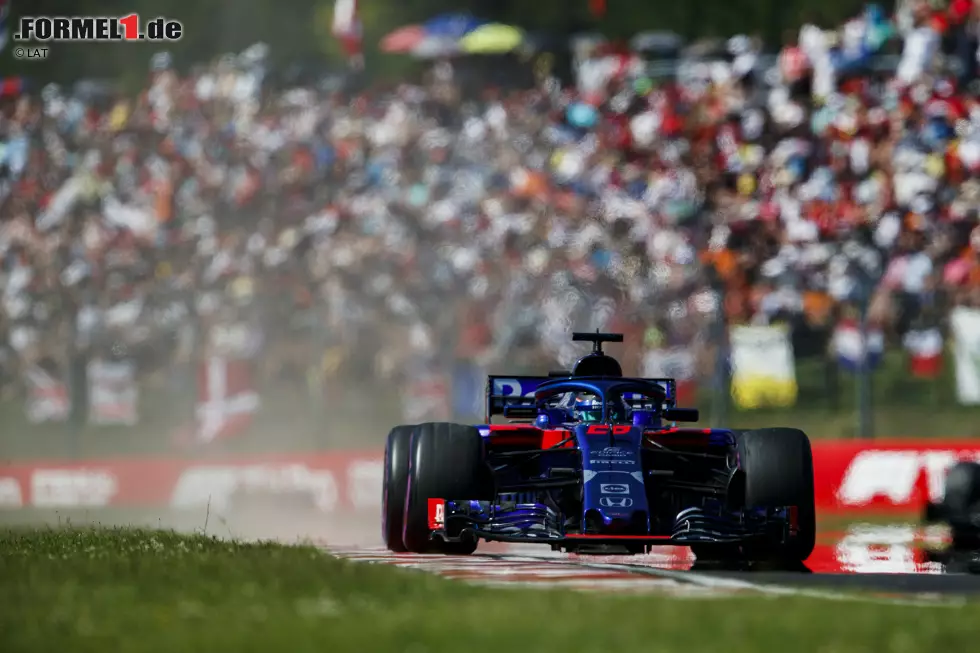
[(630, 522)]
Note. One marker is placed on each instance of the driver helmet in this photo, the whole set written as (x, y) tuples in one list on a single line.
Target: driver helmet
[(590, 410), (587, 410)]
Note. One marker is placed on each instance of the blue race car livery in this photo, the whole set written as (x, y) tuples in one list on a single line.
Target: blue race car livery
[(590, 460)]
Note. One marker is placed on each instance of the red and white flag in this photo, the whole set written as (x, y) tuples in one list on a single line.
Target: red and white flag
[(347, 29), (47, 397), (925, 349), (227, 400)]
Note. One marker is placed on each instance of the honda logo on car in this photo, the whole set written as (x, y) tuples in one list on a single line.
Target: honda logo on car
[(615, 502), (613, 488)]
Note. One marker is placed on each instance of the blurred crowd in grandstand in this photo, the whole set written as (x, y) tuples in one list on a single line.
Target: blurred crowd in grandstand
[(382, 231)]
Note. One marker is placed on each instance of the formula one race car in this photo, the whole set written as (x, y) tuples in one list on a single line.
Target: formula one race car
[(590, 463)]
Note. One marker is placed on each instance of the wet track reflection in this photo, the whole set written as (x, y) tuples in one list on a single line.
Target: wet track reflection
[(860, 549), (899, 549)]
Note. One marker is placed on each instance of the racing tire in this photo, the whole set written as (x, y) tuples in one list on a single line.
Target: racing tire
[(775, 469), (960, 505), (777, 464), (395, 486), (446, 461)]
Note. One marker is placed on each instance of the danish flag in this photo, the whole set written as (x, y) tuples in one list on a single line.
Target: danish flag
[(227, 398)]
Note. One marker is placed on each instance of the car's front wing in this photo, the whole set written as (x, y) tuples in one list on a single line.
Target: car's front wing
[(454, 520)]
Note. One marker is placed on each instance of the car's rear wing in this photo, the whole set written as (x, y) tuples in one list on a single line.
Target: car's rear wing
[(505, 391)]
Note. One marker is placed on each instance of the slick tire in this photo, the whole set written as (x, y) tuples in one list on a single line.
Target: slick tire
[(394, 487), (777, 464), (961, 505), (961, 499), (446, 461)]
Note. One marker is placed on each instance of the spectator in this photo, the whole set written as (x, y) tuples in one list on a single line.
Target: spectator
[(377, 232)]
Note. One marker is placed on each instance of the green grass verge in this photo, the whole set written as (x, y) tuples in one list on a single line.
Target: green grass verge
[(136, 590)]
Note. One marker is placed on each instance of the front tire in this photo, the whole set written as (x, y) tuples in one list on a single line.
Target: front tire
[(446, 461), (778, 468), (775, 470)]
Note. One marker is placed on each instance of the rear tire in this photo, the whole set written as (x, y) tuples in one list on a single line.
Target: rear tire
[(778, 468), (446, 461), (394, 487)]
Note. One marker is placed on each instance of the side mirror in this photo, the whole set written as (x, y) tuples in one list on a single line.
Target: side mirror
[(682, 415), (643, 417)]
